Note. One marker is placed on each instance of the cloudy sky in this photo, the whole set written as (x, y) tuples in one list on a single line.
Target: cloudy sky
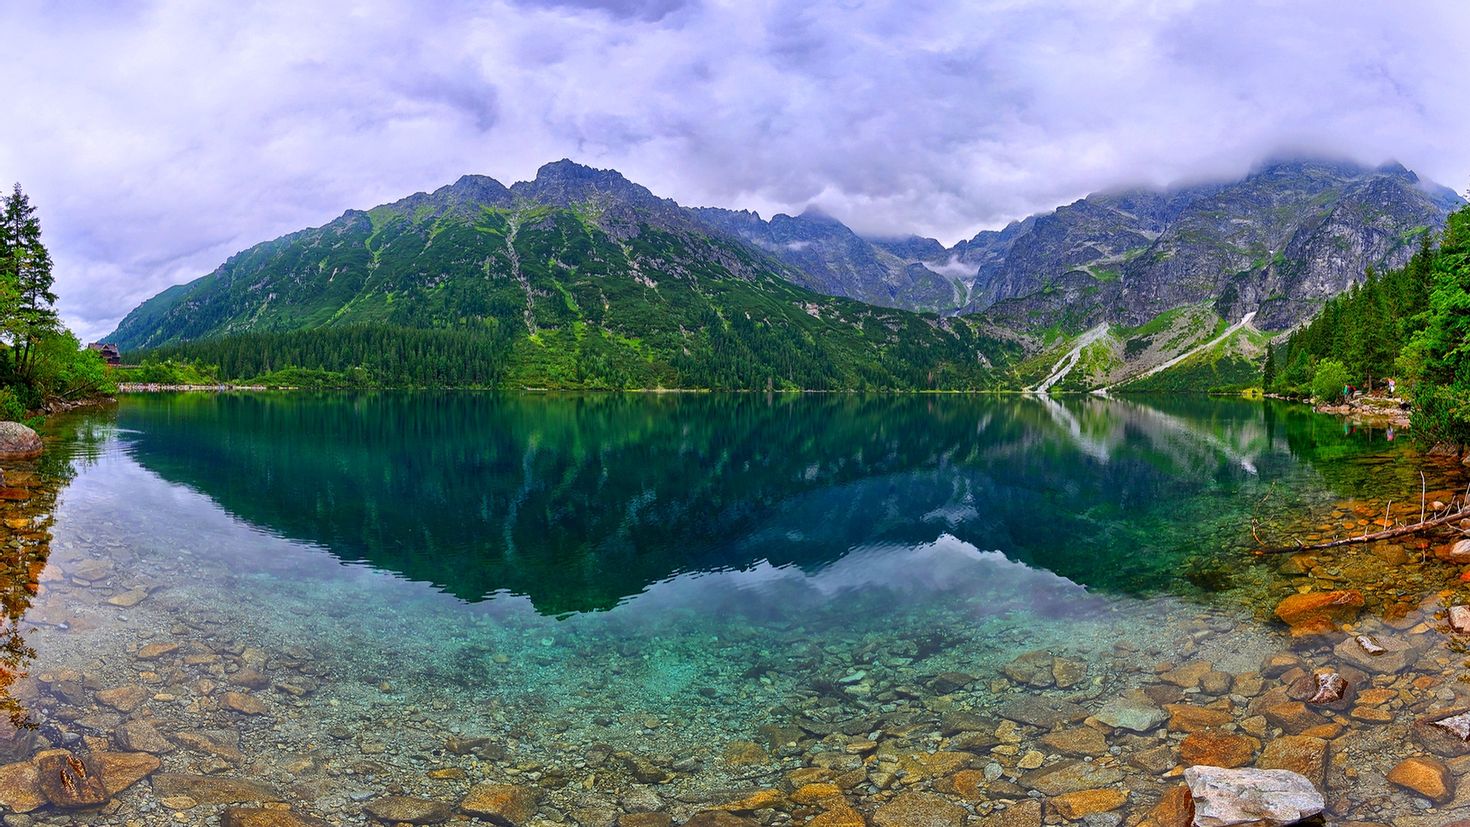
[(157, 138)]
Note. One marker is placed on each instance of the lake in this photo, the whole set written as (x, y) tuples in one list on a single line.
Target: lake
[(922, 609)]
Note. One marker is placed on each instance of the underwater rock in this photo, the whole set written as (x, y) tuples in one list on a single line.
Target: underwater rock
[(1043, 712), (1426, 776), (408, 810), (920, 810), (1226, 797), (19, 791), (18, 441), (1083, 803), (1383, 655), (1033, 669), (503, 804), (1025, 813), (69, 781), (16, 742), (1174, 809), (1070, 777), (140, 736), (1446, 732), (1304, 755), (1132, 711), (121, 770), (1218, 749), (1316, 613), (242, 703), (1456, 552), (947, 682), (262, 817), (1321, 688), (212, 789), (1460, 618)]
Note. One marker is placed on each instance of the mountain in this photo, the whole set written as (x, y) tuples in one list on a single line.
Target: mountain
[(828, 257), (1279, 241), (581, 278)]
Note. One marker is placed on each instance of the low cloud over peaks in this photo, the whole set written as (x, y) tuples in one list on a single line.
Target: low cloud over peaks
[(161, 137)]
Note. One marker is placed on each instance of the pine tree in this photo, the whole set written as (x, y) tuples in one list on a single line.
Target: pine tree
[(1268, 373), (26, 300)]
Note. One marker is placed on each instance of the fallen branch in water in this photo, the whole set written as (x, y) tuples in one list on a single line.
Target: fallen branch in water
[(1401, 531)]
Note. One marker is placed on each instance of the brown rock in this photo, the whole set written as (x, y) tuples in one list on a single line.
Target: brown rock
[(1042, 711), (1175, 809), (154, 651), (1084, 803), (69, 781), (1302, 754), (1080, 741), (1185, 718), (405, 809), (262, 817), (1316, 613), (1188, 676), (242, 703), (645, 820), (123, 698), (1292, 716), (912, 809), (504, 804), (745, 754), (1071, 777), (839, 814), (718, 818), (1156, 760), (19, 790), (140, 736), (1445, 732), (121, 770), (1218, 749), (1032, 669), (1426, 776), (1024, 813)]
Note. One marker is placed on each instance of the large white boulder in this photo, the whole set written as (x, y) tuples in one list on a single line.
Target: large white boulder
[(1227, 797)]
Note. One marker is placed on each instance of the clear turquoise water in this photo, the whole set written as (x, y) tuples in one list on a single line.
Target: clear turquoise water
[(660, 574)]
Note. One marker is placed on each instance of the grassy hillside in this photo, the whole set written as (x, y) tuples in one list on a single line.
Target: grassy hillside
[(547, 296)]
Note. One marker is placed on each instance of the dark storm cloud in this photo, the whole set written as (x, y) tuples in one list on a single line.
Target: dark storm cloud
[(158, 138)]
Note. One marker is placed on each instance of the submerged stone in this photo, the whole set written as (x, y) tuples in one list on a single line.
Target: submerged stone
[(504, 804), (69, 781), (1227, 797), (920, 810), (1316, 613), (408, 810), (1426, 776)]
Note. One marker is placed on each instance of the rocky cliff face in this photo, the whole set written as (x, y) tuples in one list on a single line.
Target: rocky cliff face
[(828, 257), (1278, 241)]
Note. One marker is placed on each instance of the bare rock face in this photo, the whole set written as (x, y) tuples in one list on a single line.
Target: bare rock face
[(1227, 797), (18, 441)]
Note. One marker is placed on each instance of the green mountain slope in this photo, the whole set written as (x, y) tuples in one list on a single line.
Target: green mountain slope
[(579, 279)]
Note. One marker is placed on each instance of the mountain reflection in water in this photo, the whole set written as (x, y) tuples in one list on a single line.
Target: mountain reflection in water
[(580, 501)]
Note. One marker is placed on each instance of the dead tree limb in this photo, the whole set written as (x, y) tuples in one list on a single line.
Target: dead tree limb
[(1401, 531)]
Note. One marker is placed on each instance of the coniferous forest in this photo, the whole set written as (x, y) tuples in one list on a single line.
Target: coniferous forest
[(1411, 324)]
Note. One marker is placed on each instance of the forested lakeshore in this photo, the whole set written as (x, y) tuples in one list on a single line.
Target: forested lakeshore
[(1410, 325), (777, 358), (42, 364)]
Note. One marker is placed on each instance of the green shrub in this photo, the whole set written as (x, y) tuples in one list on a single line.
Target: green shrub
[(1328, 380)]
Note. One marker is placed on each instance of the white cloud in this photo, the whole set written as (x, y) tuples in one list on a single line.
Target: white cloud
[(160, 137)]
